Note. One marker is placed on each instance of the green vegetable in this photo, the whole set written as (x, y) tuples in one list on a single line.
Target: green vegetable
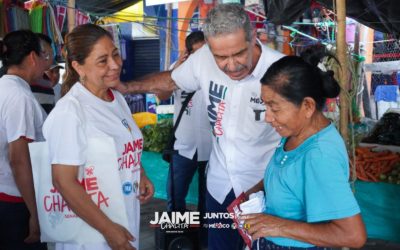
[(156, 136)]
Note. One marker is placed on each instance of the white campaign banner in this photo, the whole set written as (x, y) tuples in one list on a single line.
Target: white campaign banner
[(99, 177)]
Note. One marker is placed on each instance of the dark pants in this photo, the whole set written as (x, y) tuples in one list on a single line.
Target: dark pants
[(14, 227), (263, 244), (222, 238), (184, 170)]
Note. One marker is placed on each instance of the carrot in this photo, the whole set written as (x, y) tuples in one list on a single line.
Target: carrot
[(361, 172), (387, 169), (384, 158), (370, 165), (363, 178), (371, 177), (361, 150)]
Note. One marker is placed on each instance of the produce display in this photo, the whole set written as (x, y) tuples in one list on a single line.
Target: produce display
[(386, 131), (143, 119), (377, 166), (157, 135)]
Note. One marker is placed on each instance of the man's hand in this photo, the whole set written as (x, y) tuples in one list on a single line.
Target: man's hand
[(181, 59)]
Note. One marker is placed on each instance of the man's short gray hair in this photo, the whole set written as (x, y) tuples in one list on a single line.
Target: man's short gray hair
[(227, 19)]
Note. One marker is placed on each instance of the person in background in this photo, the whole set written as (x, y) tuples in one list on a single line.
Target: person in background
[(227, 72), (93, 67), (192, 151), (53, 76), (41, 88), (309, 202), (21, 117)]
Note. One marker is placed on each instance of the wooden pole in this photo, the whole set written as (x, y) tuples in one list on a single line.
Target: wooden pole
[(71, 15), (341, 53), (168, 37)]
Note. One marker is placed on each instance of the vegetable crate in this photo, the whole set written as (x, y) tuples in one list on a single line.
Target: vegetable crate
[(377, 166)]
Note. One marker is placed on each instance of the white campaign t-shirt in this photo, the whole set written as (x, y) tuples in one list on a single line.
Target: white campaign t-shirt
[(243, 142), (66, 130), (20, 116), (194, 130)]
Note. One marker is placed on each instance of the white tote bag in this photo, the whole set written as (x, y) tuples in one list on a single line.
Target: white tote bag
[(99, 177)]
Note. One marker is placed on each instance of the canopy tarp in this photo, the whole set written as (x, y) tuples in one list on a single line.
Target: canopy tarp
[(381, 15), (103, 7), (133, 13)]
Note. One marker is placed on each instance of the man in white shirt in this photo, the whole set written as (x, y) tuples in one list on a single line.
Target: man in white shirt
[(227, 71)]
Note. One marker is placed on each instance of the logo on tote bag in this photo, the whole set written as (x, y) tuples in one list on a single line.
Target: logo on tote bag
[(127, 188), (55, 204)]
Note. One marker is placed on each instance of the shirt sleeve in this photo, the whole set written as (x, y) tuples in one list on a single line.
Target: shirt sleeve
[(66, 139), (186, 75), (328, 195), (20, 118)]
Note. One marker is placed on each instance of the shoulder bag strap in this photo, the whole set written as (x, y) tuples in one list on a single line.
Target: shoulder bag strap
[(184, 105)]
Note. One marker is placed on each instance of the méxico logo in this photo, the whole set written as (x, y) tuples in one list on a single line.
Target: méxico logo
[(216, 108)]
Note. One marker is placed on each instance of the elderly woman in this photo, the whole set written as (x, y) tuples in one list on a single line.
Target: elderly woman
[(309, 203)]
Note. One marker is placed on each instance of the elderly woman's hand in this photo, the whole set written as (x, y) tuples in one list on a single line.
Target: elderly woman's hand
[(263, 225)]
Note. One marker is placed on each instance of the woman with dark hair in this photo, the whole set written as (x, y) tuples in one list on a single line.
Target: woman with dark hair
[(21, 119), (93, 69), (309, 202)]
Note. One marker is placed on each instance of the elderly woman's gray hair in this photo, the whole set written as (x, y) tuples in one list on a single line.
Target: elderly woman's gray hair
[(227, 19)]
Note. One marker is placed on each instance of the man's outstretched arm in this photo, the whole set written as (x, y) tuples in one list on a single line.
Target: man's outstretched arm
[(156, 83)]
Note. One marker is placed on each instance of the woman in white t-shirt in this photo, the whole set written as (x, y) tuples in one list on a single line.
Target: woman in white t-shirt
[(24, 59), (93, 69)]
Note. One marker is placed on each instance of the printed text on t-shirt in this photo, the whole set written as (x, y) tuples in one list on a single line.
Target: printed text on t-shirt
[(216, 108), (131, 155)]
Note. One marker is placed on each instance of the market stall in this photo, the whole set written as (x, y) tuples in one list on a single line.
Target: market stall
[(377, 188)]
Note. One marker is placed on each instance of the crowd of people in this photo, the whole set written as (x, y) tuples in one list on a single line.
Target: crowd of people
[(254, 123)]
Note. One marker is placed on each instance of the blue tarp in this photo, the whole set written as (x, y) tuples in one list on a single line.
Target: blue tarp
[(387, 93), (380, 209), (157, 170)]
